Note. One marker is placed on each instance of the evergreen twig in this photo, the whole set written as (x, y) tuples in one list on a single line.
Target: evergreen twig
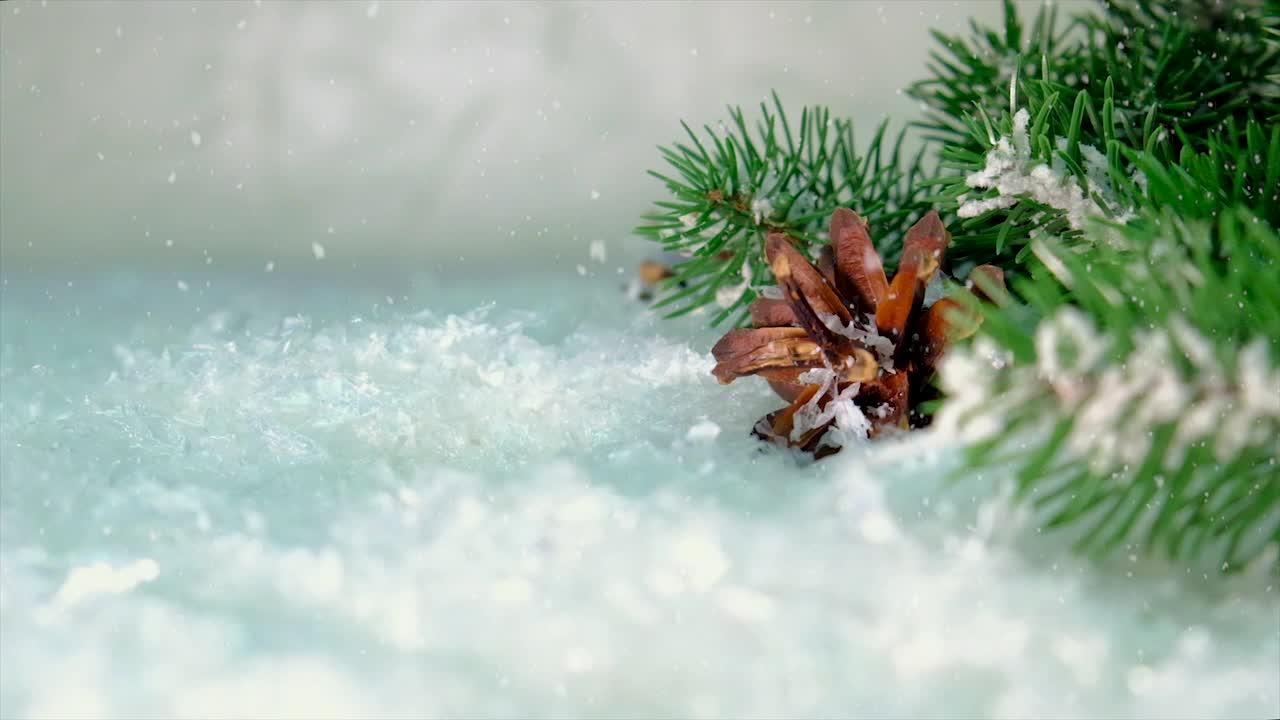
[(1132, 408), (1140, 75), (731, 186)]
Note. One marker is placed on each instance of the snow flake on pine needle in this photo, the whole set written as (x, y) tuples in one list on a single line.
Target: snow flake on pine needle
[(1014, 174)]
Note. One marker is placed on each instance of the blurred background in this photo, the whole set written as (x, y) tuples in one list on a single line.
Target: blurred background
[(332, 136)]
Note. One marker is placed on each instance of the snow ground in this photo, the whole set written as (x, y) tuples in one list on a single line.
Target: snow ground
[(510, 500)]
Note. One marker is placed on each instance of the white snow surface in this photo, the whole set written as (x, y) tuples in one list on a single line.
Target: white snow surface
[(508, 500)]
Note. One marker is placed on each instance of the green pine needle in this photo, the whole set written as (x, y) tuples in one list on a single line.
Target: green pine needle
[(734, 184)]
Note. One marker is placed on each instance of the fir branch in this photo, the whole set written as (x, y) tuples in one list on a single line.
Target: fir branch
[(1130, 381), (732, 186), (1191, 65), (1135, 77), (1138, 78), (1039, 178), (1134, 393)]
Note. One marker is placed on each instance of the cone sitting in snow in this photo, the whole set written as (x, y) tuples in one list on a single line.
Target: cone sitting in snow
[(852, 352)]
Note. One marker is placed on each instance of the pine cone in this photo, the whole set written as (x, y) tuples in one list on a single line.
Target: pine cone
[(847, 348)]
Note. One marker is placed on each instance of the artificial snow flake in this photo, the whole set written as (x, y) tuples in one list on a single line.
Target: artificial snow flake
[(597, 251)]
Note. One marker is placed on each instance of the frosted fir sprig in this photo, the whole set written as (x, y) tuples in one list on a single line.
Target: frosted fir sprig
[(1133, 408), (1119, 89), (1142, 456), (1013, 173), (1037, 178)]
